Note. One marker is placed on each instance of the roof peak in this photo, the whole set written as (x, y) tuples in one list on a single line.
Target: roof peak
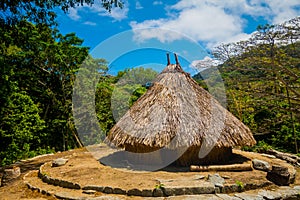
[(172, 67), (176, 59)]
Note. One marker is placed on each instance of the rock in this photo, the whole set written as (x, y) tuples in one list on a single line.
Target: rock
[(94, 187), (59, 162), (10, 174), (281, 175), (268, 155), (297, 187), (134, 192), (290, 158), (261, 165), (104, 198), (118, 191), (55, 181), (147, 193), (292, 175), (219, 185), (230, 188), (217, 190), (216, 179), (271, 195), (196, 197), (108, 190), (89, 191), (67, 184), (249, 196), (227, 197), (288, 193), (66, 196), (195, 190), (158, 193), (172, 191)]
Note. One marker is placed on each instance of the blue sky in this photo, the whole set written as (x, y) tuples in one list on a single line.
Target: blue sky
[(143, 31)]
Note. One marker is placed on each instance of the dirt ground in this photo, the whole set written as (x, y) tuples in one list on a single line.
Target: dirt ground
[(84, 169)]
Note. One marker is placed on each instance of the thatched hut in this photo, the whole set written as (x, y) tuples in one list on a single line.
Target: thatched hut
[(176, 113)]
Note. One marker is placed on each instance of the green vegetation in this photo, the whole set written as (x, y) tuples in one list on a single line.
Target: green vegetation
[(42, 12), (240, 185), (39, 66), (261, 146), (116, 94), (263, 84), (159, 186), (37, 73)]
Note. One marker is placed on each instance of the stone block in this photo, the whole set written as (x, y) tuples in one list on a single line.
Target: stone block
[(59, 162), (158, 193), (108, 190), (134, 192), (279, 175), (10, 174), (93, 187), (270, 195), (261, 165), (147, 193), (118, 191)]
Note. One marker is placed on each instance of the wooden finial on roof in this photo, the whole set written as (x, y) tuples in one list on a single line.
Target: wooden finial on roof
[(176, 59)]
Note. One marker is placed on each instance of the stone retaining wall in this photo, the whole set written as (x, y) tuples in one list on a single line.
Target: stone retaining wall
[(281, 193), (156, 192)]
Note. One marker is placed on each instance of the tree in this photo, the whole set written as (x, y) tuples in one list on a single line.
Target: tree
[(116, 94), (86, 101), (42, 63), (38, 67), (22, 130), (262, 76), (130, 83), (43, 11)]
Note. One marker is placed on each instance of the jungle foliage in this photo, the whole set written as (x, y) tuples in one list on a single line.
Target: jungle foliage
[(39, 67), (262, 78)]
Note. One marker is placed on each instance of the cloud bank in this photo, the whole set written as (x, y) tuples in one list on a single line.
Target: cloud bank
[(214, 21)]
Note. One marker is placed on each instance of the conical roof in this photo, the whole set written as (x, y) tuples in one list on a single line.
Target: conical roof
[(177, 112)]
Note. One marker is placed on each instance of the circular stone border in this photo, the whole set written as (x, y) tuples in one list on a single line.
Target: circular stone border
[(156, 192), (282, 192)]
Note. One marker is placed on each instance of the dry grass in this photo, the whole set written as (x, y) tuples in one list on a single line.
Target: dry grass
[(177, 113)]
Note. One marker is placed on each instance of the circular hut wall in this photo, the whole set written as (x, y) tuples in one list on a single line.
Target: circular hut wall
[(215, 156), (189, 157)]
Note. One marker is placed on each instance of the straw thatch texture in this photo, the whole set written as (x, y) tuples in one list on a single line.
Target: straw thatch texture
[(217, 155), (176, 112)]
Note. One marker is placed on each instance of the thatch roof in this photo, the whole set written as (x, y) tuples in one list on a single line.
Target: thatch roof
[(176, 112)]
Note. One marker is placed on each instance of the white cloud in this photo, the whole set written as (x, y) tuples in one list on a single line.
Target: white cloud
[(82, 11), (90, 23), (138, 5), (117, 13), (157, 3), (73, 14), (206, 62), (283, 10), (205, 23), (213, 21)]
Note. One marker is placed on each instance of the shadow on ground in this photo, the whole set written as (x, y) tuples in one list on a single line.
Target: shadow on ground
[(141, 162)]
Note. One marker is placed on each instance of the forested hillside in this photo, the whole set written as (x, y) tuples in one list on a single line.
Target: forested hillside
[(38, 68), (262, 77)]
